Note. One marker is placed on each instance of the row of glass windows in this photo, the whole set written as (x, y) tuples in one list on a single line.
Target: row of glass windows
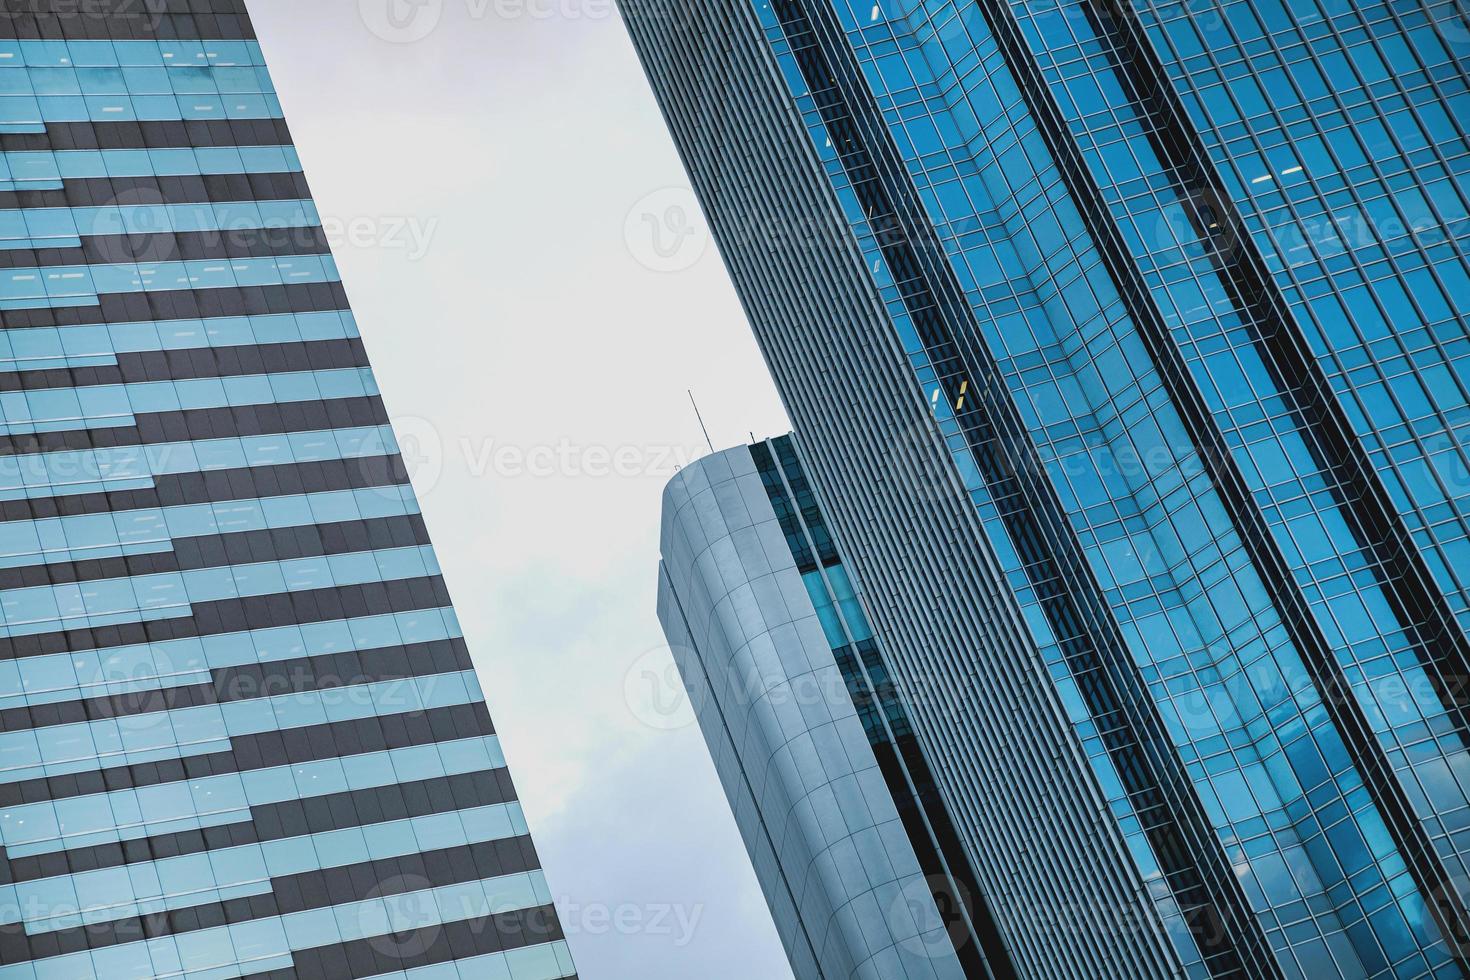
[(55, 227), (67, 409), (88, 746), (547, 962), (128, 467), (47, 347), (80, 284), (266, 943), (145, 888), (550, 961), (45, 609), (21, 113), (151, 530), (139, 668), (187, 80), (55, 825), (29, 169), (99, 53)]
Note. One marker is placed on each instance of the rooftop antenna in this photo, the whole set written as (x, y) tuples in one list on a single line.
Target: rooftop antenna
[(700, 417)]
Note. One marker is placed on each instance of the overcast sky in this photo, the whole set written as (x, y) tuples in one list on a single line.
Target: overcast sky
[(494, 173)]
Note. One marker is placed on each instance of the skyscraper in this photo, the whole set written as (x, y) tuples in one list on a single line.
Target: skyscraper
[(856, 855), (240, 733), (1127, 347)]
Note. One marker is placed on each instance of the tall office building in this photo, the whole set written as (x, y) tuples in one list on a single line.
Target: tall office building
[(1127, 346), (240, 733), (853, 849)]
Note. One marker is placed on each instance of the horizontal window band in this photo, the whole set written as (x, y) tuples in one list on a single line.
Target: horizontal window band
[(237, 615), (284, 820), (124, 192), (439, 943), (55, 608), (197, 362), (481, 861), (123, 20), (485, 860), (185, 304), (207, 423), (233, 243), (48, 168), (237, 548), (267, 750), (243, 789), (151, 135), (219, 486), (227, 685)]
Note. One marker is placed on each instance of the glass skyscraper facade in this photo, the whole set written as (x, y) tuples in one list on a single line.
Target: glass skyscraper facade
[(1128, 344), (240, 733), (852, 845)]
